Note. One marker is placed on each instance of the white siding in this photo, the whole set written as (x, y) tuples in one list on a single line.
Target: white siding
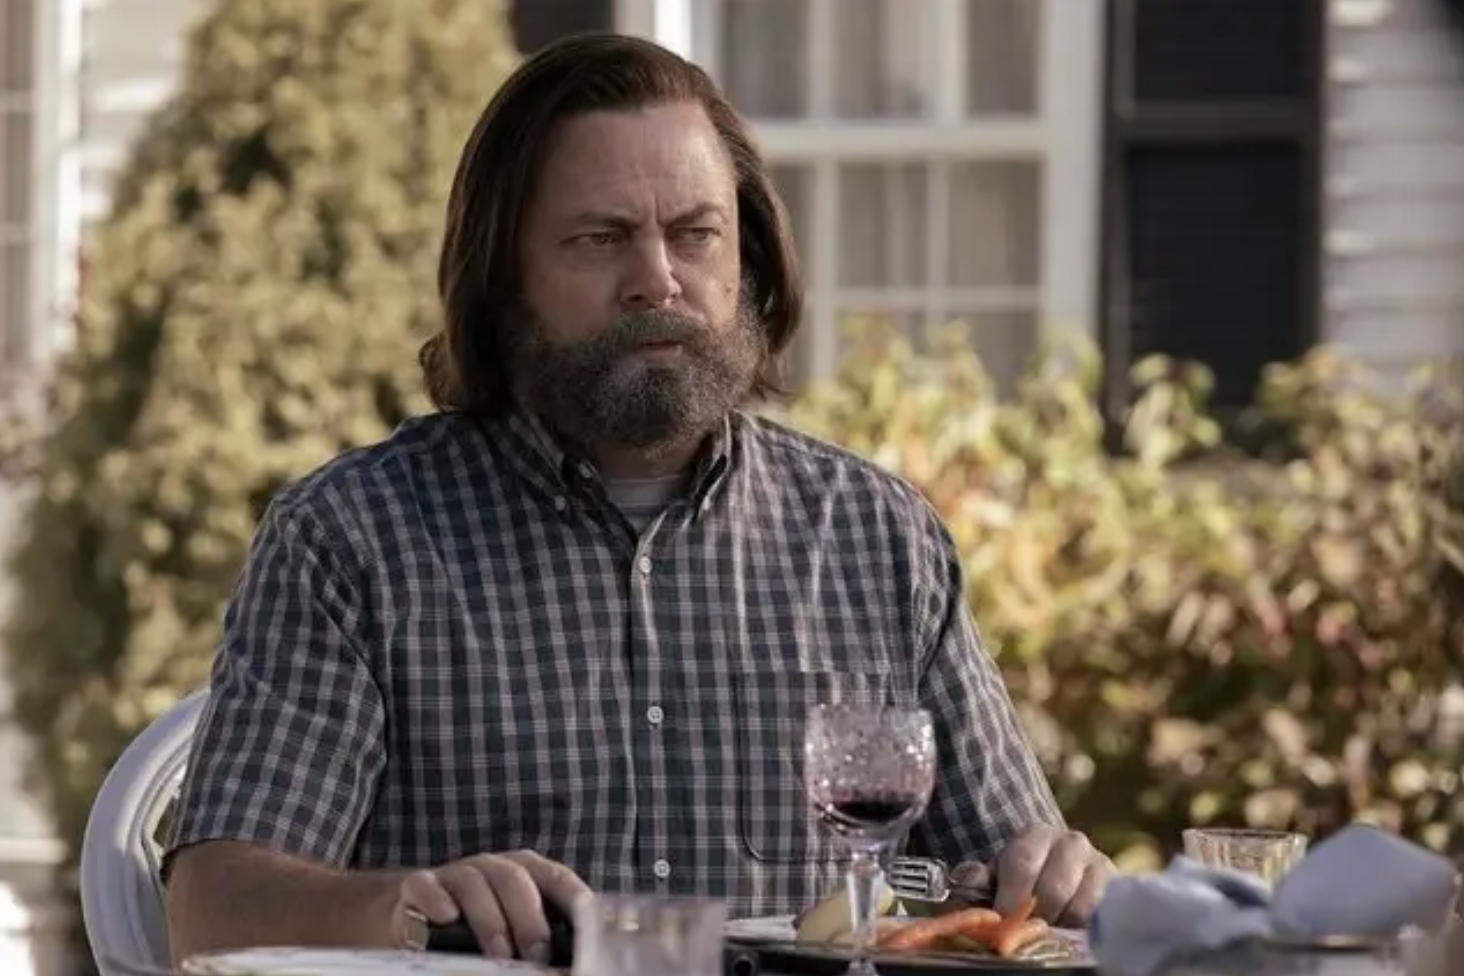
[(1395, 184)]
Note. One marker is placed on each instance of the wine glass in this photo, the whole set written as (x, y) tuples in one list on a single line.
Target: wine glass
[(869, 772)]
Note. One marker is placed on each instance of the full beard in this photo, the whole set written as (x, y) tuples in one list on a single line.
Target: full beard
[(605, 391)]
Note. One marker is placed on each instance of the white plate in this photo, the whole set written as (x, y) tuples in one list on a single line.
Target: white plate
[(778, 933), (350, 962), (774, 928)]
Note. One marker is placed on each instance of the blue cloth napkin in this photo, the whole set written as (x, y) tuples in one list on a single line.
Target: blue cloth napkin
[(1361, 882)]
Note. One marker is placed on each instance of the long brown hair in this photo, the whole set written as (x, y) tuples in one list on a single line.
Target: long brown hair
[(478, 275)]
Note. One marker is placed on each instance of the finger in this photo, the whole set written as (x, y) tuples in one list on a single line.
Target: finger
[(423, 892), (465, 881), (522, 904), (559, 884), (1018, 868), (1084, 903), (973, 881), (1062, 875)]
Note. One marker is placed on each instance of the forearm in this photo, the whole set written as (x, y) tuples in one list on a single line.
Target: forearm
[(227, 895)]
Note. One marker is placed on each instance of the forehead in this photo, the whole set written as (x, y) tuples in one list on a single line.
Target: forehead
[(661, 155)]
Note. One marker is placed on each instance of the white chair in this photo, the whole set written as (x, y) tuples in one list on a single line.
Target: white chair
[(121, 888)]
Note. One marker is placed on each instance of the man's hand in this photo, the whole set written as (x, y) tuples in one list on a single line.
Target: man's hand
[(1061, 868), (501, 896)]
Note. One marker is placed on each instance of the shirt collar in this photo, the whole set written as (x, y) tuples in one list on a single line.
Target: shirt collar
[(566, 468)]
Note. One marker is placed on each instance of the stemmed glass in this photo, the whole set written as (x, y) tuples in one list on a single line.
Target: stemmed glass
[(869, 772)]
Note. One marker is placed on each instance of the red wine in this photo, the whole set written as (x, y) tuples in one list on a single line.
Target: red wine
[(868, 813)]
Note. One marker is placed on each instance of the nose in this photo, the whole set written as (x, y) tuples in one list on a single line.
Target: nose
[(650, 281)]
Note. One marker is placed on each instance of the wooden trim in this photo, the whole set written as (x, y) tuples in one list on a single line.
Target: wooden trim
[(923, 141)]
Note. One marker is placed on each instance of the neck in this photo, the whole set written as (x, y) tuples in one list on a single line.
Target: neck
[(618, 464)]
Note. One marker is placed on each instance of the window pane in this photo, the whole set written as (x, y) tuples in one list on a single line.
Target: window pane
[(1005, 342), (538, 23), (1002, 41), (882, 226), (1215, 251), (794, 185), (798, 357), (1214, 50), (882, 62), (17, 40), (764, 46), (15, 167), (995, 224), (14, 292)]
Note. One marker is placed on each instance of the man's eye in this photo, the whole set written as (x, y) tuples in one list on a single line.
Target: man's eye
[(599, 238), (699, 235)]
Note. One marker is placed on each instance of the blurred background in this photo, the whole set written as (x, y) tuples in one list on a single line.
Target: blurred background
[(1213, 538)]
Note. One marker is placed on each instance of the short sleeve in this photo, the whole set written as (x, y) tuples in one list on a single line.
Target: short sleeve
[(291, 744), (990, 785)]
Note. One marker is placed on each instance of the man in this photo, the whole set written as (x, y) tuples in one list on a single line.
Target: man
[(563, 634)]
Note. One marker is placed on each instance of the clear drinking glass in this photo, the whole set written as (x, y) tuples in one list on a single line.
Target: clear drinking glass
[(869, 773), (1267, 854), (637, 935)]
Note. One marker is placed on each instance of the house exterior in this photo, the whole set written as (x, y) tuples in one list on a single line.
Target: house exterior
[(1282, 174), (1394, 184), (1013, 164)]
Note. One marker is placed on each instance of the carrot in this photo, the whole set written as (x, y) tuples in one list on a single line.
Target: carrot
[(1010, 922), (1024, 911), (921, 935), (983, 931), (1012, 939)]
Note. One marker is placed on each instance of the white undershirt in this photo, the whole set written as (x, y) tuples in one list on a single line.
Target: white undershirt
[(640, 500)]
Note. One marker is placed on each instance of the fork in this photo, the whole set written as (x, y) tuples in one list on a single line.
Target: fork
[(928, 879)]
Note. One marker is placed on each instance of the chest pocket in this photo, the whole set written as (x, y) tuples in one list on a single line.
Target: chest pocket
[(776, 821)]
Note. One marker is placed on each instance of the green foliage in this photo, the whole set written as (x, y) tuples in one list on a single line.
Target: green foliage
[(1197, 637), (253, 306)]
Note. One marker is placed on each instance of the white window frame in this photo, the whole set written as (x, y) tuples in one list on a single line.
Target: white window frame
[(55, 221), (15, 233), (1064, 136)]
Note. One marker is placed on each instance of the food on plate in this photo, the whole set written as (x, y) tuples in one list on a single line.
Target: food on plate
[(831, 922), (976, 930)]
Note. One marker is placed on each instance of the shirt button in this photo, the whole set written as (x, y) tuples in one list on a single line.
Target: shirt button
[(654, 715), (644, 565), (662, 868), (585, 470), (560, 504)]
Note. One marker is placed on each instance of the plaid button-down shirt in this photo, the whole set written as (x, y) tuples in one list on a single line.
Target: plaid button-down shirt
[(452, 642)]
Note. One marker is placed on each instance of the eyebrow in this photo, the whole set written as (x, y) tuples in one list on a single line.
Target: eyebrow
[(603, 218)]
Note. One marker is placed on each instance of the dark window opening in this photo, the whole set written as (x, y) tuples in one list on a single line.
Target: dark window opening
[(1213, 183), (1215, 258), (538, 23)]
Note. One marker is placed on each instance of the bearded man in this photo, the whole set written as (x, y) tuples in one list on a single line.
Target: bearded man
[(562, 634)]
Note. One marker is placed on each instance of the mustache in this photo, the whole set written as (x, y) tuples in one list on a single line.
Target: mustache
[(634, 329)]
